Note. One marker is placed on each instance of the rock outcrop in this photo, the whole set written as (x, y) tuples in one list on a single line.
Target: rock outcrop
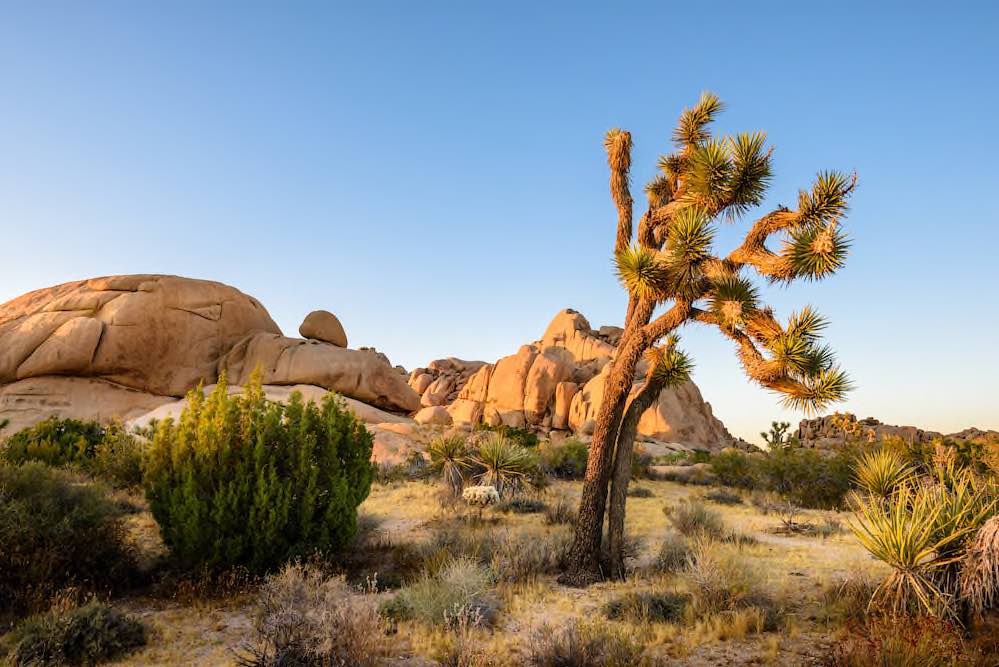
[(122, 346), (837, 430), (556, 383)]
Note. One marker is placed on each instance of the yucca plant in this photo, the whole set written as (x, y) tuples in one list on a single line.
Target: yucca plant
[(506, 466), (449, 458), (979, 577), (882, 471), (668, 264), (914, 532)]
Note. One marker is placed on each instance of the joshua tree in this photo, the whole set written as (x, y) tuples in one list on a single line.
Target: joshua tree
[(777, 437), (669, 266)]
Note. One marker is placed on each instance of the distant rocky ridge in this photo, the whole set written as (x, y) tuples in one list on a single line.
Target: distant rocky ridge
[(130, 347), (833, 431), (556, 384)]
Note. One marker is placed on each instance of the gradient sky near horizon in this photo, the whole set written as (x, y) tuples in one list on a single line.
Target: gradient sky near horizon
[(434, 173)]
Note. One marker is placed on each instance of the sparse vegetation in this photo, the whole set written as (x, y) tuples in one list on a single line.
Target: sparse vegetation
[(87, 635), (57, 530), (505, 465), (647, 607), (461, 588), (579, 644)]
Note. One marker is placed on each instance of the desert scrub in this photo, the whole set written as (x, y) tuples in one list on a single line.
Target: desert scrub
[(450, 460), (721, 579), (86, 635), (522, 505), (566, 459), (674, 554), (560, 512), (723, 497), (693, 518), (578, 644), (647, 607), (640, 492), (239, 480), (304, 617), (504, 464), (462, 588), (57, 530), (905, 641), (109, 452)]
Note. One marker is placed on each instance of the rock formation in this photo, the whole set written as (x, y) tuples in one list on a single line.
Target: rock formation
[(123, 346), (836, 430), (556, 383)]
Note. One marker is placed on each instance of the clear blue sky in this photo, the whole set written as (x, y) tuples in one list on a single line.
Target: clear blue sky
[(433, 172)]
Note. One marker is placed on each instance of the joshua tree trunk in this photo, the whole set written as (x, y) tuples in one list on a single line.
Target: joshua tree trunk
[(584, 556), (622, 469)]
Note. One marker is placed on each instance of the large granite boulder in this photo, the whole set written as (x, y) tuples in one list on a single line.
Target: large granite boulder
[(156, 334), (122, 346)]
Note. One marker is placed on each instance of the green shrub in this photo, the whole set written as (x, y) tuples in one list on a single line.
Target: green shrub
[(462, 587), (566, 459), (640, 492), (54, 441), (735, 468), (505, 465), (85, 635), (810, 478), (56, 531), (520, 436), (647, 607), (107, 452), (243, 481)]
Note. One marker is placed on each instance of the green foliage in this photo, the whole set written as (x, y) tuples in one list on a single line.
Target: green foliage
[(647, 607), (777, 436), (520, 436), (85, 635), (243, 481), (566, 459), (522, 505), (505, 465), (809, 478), (736, 468), (640, 492), (449, 458), (56, 531), (107, 452), (880, 472)]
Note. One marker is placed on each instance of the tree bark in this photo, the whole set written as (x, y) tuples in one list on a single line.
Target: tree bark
[(584, 556), (622, 473)]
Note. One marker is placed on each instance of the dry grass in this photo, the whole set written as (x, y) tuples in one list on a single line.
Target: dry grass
[(405, 522)]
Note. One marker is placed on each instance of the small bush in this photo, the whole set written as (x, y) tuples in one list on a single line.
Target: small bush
[(693, 518), (522, 505), (519, 436), (565, 460), (522, 558), (736, 468), (584, 645), (723, 497), (846, 601), (674, 554), (243, 481), (57, 531), (641, 463), (640, 492), (905, 642), (85, 635), (647, 607), (560, 512), (810, 478), (462, 587), (722, 580), (107, 452), (504, 464), (306, 618)]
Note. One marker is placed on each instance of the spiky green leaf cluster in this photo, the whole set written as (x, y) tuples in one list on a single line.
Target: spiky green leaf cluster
[(642, 272), (670, 366), (732, 299), (828, 199), (692, 129), (816, 251)]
